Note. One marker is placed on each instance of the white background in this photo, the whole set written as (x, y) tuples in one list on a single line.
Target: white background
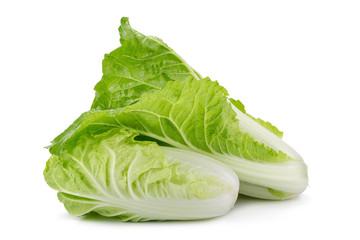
[(293, 63)]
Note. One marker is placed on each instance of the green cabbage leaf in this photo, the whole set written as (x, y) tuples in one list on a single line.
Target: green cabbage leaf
[(142, 64), (116, 176)]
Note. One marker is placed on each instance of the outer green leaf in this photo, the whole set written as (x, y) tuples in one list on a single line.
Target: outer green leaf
[(114, 175), (263, 123), (142, 64), (94, 122), (196, 115)]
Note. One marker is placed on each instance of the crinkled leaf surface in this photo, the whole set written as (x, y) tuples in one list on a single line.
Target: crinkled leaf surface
[(239, 105), (142, 64), (196, 115), (114, 175)]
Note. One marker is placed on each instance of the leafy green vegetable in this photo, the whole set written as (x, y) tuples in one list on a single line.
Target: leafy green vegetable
[(142, 64), (196, 115), (147, 87), (114, 175)]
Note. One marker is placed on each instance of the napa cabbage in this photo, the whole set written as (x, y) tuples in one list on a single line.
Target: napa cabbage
[(161, 142), (116, 176), (148, 87)]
